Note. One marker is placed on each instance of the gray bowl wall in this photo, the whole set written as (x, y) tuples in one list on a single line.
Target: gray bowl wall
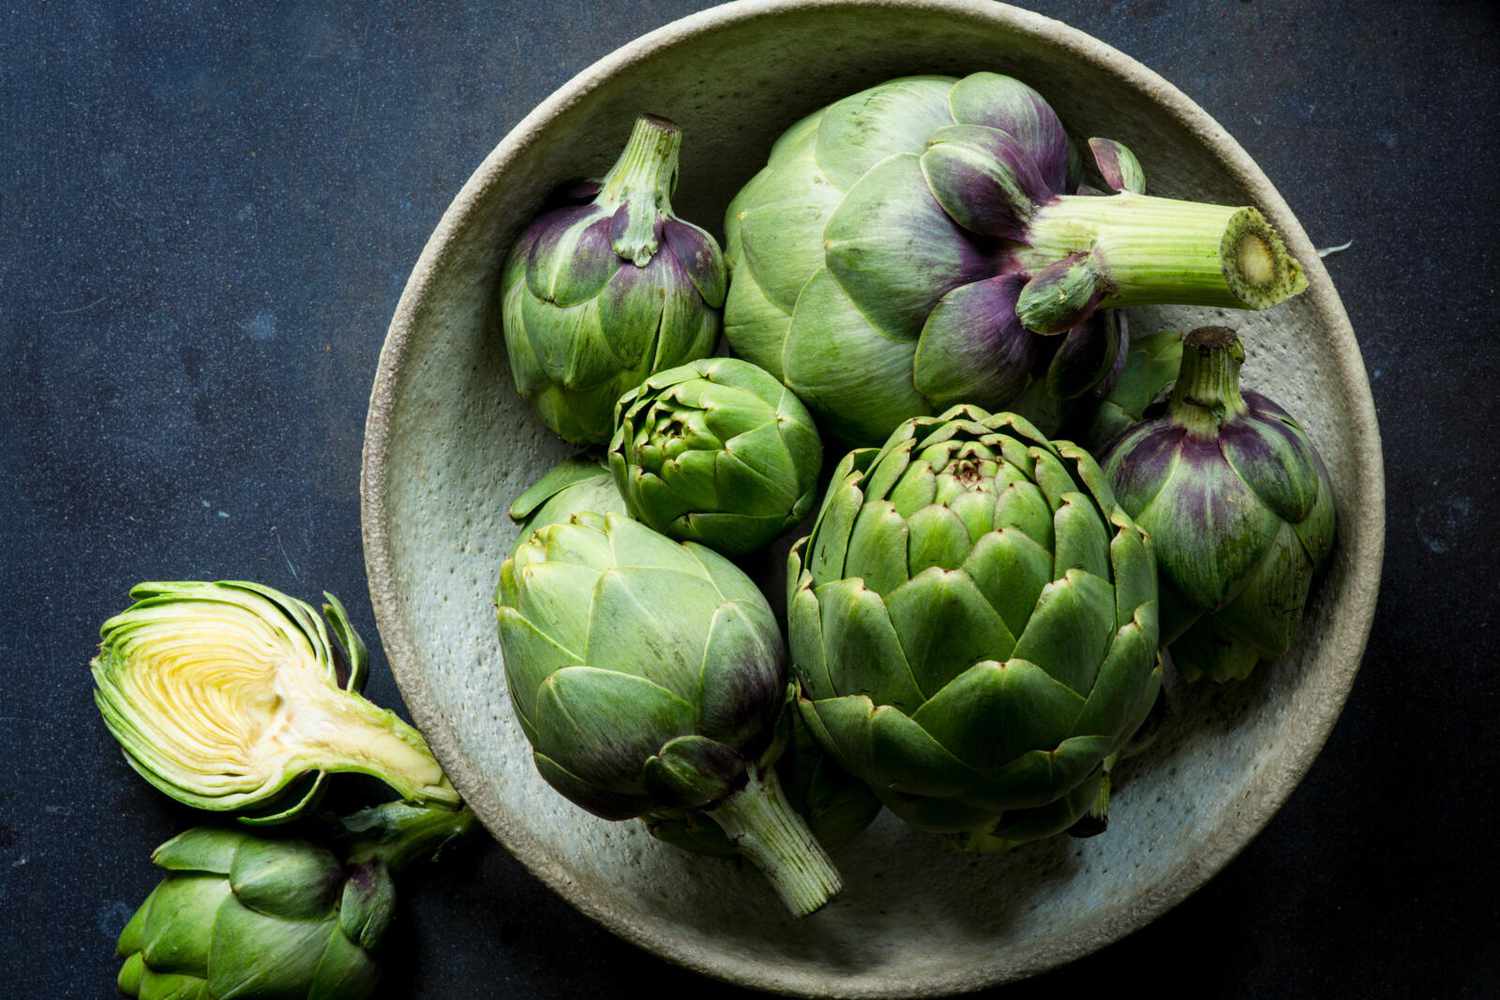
[(449, 444)]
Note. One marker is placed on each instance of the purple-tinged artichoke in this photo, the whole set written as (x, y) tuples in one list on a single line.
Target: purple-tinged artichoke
[(609, 286), (1238, 506), (918, 245)]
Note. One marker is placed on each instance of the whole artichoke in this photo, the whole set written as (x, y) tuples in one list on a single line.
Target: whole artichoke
[(649, 676), (608, 286), (231, 696), (572, 485), (247, 916), (916, 245), (718, 452), (973, 620), (1239, 508)]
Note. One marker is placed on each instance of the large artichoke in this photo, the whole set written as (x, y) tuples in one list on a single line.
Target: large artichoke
[(231, 696), (718, 452), (1239, 508), (245, 916), (649, 676), (973, 621), (608, 286), (916, 245)]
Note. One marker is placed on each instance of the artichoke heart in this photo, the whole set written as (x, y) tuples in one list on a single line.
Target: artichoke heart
[(231, 696)]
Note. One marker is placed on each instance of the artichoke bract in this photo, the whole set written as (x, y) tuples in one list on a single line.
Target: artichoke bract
[(918, 244), (573, 485), (716, 451), (974, 624), (231, 696), (1239, 508), (243, 915), (608, 286), (1149, 366), (649, 676)]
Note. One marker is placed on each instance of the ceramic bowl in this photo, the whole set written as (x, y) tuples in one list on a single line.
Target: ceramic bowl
[(449, 444)]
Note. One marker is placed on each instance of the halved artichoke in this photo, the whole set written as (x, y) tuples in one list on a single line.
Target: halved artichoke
[(230, 697)]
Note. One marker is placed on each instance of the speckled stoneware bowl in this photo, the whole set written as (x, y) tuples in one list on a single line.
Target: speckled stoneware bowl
[(449, 444)]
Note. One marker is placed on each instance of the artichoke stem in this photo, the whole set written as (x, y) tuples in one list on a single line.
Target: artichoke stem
[(641, 181), (1208, 382), (763, 827), (1150, 250), (340, 731), (397, 833)]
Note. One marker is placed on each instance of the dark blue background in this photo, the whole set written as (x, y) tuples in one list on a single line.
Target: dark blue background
[(207, 213)]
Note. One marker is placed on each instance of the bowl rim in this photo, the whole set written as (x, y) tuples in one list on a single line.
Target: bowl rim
[(1364, 524)]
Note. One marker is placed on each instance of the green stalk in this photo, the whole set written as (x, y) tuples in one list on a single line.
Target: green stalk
[(642, 180), (397, 833), (1138, 250), (764, 828), (1208, 384)]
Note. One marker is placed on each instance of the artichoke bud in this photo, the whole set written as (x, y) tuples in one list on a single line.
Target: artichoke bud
[(916, 245), (718, 452), (245, 914), (609, 286), (230, 697), (650, 677), (1239, 507), (973, 622)]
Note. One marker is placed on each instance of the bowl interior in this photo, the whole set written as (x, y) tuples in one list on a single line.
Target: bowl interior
[(450, 445)]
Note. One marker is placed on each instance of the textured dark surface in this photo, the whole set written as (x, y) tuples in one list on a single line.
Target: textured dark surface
[(206, 219)]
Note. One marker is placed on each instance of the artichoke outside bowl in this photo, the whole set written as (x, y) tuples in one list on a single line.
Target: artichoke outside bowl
[(448, 446)]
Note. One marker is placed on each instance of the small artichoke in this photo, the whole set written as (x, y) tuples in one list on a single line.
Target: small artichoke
[(920, 244), (718, 452), (230, 696), (973, 621), (244, 915), (1239, 508), (571, 486), (649, 676), (608, 286)]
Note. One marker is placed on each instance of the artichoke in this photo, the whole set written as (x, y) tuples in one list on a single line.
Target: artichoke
[(717, 452), (916, 245), (649, 676), (243, 915), (974, 624), (573, 485), (1239, 508), (607, 286), (230, 696)]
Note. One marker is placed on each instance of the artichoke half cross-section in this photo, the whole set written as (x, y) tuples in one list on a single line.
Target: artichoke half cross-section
[(974, 624), (230, 696)]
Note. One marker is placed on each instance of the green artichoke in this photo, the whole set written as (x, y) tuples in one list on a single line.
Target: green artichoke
[(649, 676), (572, 485), (248, 916), (919, 244), (973, 621), (607, 286), (1239, 508), (718, 452), (230, 696)]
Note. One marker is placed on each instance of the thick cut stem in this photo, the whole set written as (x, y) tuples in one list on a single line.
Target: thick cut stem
[(763, 827), (398, 834), (641, 181), (1159, 250), (328, 729), (1208, 384)]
